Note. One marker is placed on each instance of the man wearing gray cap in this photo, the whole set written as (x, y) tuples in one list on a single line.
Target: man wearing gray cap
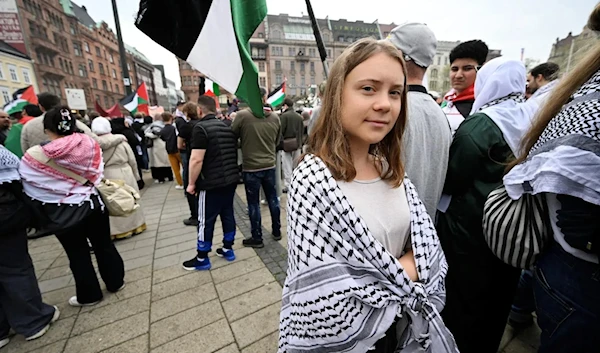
[(427, 137)]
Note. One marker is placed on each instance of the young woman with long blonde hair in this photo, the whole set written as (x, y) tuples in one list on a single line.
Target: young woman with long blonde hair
[(365, 266)]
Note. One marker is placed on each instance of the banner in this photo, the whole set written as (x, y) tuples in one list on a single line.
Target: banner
[(76, 99), (10, 27)]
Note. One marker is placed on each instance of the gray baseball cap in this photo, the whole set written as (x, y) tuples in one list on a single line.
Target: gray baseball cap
[(416, 41)]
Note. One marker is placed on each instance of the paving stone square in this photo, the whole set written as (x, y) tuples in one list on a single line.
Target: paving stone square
[(164, 309)]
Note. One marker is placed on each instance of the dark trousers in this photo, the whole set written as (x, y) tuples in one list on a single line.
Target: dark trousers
[(96, 228), (213, 203), (21, 306), (253, 181), (524, 304), (567, 297), (191, 199)]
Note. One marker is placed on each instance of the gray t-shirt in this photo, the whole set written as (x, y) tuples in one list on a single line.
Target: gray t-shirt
[(384, 209), (426, 148)]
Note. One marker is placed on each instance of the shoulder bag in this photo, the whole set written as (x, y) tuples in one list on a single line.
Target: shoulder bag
[(516, 230)]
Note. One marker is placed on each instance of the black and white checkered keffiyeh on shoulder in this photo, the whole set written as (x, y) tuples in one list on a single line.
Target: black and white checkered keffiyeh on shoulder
[(9, 166), (566, 157), (343, 289)]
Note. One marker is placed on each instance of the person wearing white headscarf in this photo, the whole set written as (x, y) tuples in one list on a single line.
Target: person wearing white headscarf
[(119, 163), (479, 286)]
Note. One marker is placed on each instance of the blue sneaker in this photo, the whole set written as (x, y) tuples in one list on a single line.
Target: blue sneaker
[(227, 254), (197, 265)]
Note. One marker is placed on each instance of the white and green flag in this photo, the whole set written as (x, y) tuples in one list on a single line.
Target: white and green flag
[(213, 36), (277, 96)]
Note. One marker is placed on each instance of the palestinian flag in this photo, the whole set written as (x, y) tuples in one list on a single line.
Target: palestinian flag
[(277, 96), (211, 35), (137, 102), (21, 98), (211, 88)]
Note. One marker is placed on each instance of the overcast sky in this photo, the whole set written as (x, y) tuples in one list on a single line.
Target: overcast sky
[(508, 25)]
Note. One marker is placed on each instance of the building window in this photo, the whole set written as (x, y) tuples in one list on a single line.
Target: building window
[(302, 81), (302, 67), (70, 67), (293, 80), (261, 35), (98, 98), (278, 79), (340, 38), (329, 53), (13, 73), (293, 65), (106, 101), (101, 68), (77, 49), (114, 73), (277, 65), (94, 83), (86, 46), (312, 79), (104, 86), (433, 85), (276, 34), (439, 60), (117, 88), (128, 67), (98, 52), (350, 39), (312, 66), (261, 66), (312, 52), (73, 31), (446, 60), (263, 82), (326, 37), (82, 70), (91, 65), (1, 72), (434, 73), (111, 59), (26, 76), (5, 95)]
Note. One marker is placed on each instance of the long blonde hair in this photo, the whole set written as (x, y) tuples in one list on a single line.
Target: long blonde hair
[(329, 142), (563, 91)]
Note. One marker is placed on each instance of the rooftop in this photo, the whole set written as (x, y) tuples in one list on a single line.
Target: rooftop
[(8, 49), (82, 15)]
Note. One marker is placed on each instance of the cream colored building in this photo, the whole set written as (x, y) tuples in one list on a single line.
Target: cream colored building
[(16, 72)]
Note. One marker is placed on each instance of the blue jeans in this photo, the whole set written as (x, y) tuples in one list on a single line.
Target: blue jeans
[(524, 303), (567, 296), (253, 182)]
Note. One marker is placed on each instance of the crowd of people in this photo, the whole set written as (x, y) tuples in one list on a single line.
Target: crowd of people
[(386, 192)]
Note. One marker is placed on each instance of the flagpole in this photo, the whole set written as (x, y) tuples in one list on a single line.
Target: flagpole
[(318, 37), (122, 52)]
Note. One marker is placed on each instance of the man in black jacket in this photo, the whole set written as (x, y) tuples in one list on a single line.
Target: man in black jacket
[(184, 140), (213, 178), (169, 135), (292, 129)]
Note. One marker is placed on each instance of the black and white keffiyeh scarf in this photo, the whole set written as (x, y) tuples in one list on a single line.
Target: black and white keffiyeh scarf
[(9, 166), (343, 289), (566, 157), (516, 97)]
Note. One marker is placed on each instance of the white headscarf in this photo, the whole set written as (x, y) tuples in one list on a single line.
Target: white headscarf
[(101, 126), (498, 79)]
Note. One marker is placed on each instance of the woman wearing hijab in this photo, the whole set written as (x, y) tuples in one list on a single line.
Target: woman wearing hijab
[(561, 159), (479, 286), (73, 211), (21, 306), (157, 150), (119, 163), (121, 126)]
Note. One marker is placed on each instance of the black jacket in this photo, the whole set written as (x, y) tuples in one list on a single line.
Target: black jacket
[(220, 167), (169, 135), (14, 214)]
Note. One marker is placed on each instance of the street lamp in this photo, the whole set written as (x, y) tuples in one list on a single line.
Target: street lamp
[(122, 52)]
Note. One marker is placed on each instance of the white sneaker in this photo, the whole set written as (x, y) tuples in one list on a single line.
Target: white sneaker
[(179, 187), (73, 302), (4, 342), (45, 329)]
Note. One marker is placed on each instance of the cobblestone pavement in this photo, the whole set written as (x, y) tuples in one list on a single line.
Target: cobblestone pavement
[(165, 309)]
